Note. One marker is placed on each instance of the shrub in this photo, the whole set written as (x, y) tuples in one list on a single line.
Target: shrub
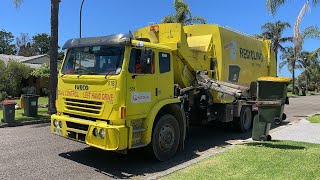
[(3, 95), (42, 72), (11, 76)]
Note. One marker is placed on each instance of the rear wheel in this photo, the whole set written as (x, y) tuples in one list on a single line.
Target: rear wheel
[(244, 122), (165, 137)]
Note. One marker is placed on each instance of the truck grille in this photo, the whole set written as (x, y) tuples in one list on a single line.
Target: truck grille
[(92, 107), (73, 125)]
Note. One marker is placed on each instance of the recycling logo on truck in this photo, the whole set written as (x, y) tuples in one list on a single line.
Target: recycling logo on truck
[(140, 97)]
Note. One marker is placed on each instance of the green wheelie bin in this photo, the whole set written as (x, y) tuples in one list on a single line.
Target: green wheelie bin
[(30, 105), (271, 98)]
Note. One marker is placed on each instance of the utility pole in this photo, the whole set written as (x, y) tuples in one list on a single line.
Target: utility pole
[(81, 18)]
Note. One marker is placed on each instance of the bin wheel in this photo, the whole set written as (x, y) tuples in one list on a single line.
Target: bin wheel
[(244, 122), (284, 116), (165, 137), (269, 138), (265, 138)]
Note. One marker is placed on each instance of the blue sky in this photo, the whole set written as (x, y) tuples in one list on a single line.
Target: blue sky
[(103, 17)]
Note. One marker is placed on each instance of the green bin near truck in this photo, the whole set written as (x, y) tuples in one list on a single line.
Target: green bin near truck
[(271, 98), (30, 105)]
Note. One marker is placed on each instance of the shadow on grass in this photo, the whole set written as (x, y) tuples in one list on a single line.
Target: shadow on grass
[(25, 118), (276, 146)]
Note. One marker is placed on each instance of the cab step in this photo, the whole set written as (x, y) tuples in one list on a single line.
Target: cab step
[(139, 145), (140, 129)]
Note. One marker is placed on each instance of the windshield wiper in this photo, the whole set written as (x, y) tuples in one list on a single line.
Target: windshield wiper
[(92, 73), (107, 74)]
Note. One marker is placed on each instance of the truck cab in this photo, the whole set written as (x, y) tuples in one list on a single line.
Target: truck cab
[(110, 92)]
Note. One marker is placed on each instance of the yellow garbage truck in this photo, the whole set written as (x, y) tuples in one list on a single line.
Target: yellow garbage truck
[(144, 89)]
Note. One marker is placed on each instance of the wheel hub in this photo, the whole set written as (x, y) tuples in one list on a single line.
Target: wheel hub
[(166, 137)]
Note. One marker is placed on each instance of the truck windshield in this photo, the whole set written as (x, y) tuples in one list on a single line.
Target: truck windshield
[(94, 60)]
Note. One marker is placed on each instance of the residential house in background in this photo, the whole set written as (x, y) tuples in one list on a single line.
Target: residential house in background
[(32, 85)]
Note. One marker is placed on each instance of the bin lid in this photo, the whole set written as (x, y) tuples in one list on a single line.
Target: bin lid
[(275, 79), (8, 102)]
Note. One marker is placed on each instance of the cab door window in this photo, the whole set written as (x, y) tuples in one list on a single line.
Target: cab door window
[(141, 61), (164, 62)]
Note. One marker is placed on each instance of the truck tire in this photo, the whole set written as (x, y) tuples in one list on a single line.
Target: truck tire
[(165, 137), (244, 122)]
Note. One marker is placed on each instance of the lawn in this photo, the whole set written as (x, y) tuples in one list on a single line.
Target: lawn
[(309, 93), (42, 112), (291, 95), (314, 119), (266, 160), (41, 100)]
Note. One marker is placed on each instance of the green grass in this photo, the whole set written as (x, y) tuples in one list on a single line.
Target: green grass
[(314, 119), (289, 94), (313, 93), (266, 160), (41, 100), (42, 113)]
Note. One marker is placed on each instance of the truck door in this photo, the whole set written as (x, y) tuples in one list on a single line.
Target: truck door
[(165, 87), (141, 82)]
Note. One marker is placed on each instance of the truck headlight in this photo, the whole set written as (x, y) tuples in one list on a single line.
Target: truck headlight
[(102, 133), (95, 132), (55, 123), (60, 124)]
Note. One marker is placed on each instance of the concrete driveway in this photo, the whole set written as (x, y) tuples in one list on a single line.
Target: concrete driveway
[(31, 152)]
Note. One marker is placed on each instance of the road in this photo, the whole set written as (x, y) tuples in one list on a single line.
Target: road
[(31, 152)]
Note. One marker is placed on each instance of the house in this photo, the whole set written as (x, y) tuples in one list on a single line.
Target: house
[(32, 84)]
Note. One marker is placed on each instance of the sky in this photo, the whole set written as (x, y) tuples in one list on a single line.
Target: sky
[(104, 17)]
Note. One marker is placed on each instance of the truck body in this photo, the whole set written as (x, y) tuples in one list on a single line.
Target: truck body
[(127, 91)]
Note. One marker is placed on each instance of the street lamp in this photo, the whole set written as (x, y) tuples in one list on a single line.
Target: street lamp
[(81, 18)]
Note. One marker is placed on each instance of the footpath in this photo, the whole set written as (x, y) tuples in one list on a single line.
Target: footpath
[(301, 131)]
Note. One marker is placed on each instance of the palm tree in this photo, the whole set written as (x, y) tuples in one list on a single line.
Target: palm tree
[(274, 32), (182, 15), (273, 5), (305, 62), (289, 59), (308, 32), (53, 53)]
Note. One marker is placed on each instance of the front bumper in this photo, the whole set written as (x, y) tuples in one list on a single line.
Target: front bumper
[(116, 136)]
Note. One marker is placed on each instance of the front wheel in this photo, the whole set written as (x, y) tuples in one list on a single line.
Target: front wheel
[(165, 137)]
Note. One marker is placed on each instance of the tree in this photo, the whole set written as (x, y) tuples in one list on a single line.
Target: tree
[(53, 53), (182, 15), (61, 56), (273, 5), (24, 45), (298, 37), (273, 31), (14, 73), (41, 43), (305, 62), (289, 59), (53, 81), (6, 46)]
